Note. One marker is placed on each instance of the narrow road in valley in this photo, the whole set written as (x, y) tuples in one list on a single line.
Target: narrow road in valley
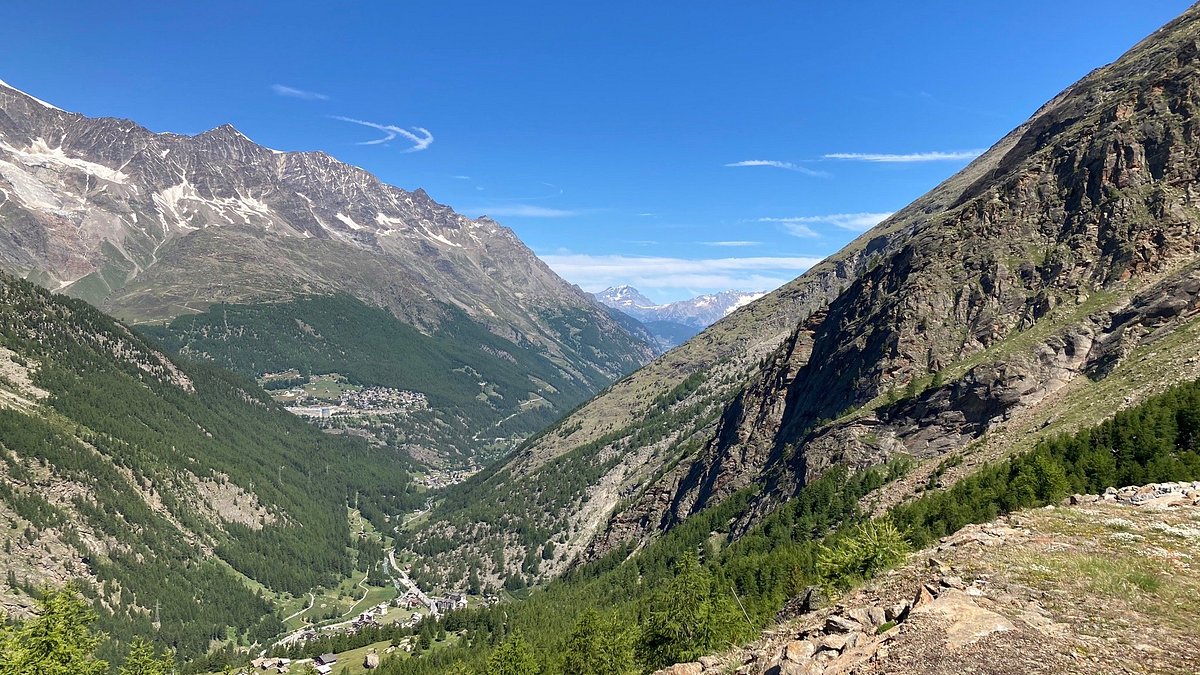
[(295, 635), (312, 599), (411, 586), (363, 585)]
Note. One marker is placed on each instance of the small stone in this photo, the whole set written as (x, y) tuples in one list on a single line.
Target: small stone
[(953, 582), (798, 651), (877, 615), (934, 562), (853, 640), (709, 662), (840, 624)]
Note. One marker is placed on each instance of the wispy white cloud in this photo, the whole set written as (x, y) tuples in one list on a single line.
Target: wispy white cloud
[(935, 156), (460, 177), (801, 230), (800, 226), (731, 244), (418, 136), (521, 211), (292, 92), (789, 166), (597, 272)]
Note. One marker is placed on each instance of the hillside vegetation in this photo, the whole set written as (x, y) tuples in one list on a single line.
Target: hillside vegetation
[(179, 496), (695, 591), (792, 548)]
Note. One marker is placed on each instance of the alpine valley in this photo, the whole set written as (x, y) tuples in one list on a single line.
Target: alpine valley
[(970, 439)]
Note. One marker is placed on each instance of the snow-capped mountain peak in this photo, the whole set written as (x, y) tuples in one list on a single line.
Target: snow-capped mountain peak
[(698, 312), (625, 297)]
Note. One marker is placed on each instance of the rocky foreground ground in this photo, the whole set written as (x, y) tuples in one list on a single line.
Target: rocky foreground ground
[(1102, 584)]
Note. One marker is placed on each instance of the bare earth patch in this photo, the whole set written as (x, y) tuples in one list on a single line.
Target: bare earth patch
[(232, 504)]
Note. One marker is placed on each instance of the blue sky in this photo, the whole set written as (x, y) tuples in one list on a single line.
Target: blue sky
[(682, 147)]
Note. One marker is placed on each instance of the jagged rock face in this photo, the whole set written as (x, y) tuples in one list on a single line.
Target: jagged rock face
[(1095, 199), (149, 226), (1051, 282)]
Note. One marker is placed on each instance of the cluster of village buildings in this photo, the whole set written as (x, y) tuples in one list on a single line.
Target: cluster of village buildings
[(365, 401), (436, 479)]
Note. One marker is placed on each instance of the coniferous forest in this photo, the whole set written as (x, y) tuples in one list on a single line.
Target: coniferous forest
[(128, 436)]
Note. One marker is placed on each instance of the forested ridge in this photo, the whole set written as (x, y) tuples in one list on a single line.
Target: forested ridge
[(110, 464)]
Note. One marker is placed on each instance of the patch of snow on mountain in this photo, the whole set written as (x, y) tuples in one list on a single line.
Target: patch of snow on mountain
[(438, 237), (742, 301), (29, 190), (41, 154), (349, 221)]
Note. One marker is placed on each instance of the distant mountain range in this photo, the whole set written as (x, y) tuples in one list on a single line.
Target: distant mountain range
[(212, 240), (674, 323)]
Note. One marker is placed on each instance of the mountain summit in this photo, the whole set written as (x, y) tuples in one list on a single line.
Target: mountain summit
[(674, 323), (152, 227)]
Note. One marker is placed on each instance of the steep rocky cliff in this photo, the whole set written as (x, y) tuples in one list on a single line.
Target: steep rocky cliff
[(1051, 282)]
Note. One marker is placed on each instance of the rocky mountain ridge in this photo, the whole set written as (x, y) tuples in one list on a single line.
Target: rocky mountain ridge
[(1051, 282), (674, 323), (151, 226)]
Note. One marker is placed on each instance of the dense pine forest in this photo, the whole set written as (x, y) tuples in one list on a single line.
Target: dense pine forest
[(111, 462)]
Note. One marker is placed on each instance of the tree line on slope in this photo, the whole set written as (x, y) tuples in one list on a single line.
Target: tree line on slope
[(369, 346)]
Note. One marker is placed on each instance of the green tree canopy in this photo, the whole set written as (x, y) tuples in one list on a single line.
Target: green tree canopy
[(599, 645), (514, 656), (58, 640)]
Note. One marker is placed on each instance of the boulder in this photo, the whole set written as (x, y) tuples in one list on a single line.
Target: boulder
[(923, 597), (835, 641), (799, 651), (953, 582), (861, 615), (968, 622), (897, 611), (878, 615)]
